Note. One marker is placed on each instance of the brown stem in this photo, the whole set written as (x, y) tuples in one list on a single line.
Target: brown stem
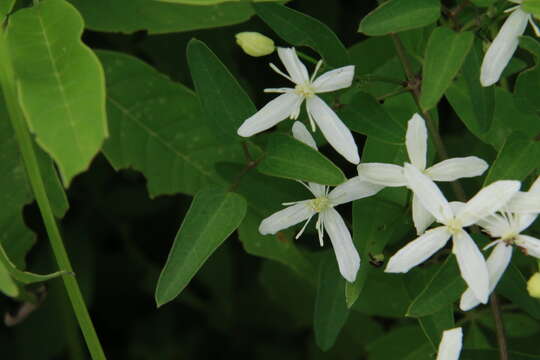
[(499, 327), (250, 164)]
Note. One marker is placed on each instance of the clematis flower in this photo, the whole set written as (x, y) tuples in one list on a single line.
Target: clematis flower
[(506, 227), (451, 343), (505, 44), (322, 204), (471, 263), (447, 170), (288, 104)]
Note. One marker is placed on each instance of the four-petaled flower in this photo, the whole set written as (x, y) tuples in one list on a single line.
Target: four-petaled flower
[(289, 103), (451, 343), (505, 44), (447, 170), (506, 227), (471, 263), (329, 219)]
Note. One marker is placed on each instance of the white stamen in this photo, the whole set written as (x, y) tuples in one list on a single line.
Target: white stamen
[(276, 69)]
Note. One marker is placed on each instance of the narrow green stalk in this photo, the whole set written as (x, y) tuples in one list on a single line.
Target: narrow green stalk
[(8, 84)]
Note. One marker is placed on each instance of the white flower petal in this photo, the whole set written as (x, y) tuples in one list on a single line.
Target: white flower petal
[(346, 254), (429, 194), (496, 225), (382, 174), (333, 129), (353, 189), (472, 265), (497, 263), (285, 218), (301, 133), (530, 244), (457, 168), (535, 187), (421, 217), (418, 250), (451, 343), (334, 80), (524, 202), (416, 141), (317, 190), (524, 221), (503, 47), (487, 201), (275, 111), (296, 69)]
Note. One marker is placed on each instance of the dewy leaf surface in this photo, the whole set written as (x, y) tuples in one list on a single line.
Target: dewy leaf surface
[(61, 84), (211, 218), (157, 127)]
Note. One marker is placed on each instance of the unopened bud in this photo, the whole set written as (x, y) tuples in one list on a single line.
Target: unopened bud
[(533, 285), (255, 44)]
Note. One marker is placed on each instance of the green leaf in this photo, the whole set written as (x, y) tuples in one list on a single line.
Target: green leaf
[(157, 127), (61, 84), (446, 50), (159, 17), (513, 286), (225, 104), (490, 354), (302, 30), (399, 15), (525, 91), (531, 6), (7, 285), (5, 8), (331, 312), (292, 159), (211, 218), (513, 161), (403, 343), (515, 324), (366, 116), (55, 192), (483, 3), (445, 287), (207, 2)]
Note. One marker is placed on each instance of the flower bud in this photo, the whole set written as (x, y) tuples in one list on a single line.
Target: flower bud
[(255, 44), (533, 285)]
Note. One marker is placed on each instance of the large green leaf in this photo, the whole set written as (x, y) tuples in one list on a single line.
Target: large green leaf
[(157, 127), (331, 312), (213, 215), (224, 103), (128, 16), (61, 84), (515, 160), (403, 343), (399, 15), (292, 159), (446, 50), (5, 7), (206, 2), (490, 354), (532, 7), (526, 94), (302, 30)]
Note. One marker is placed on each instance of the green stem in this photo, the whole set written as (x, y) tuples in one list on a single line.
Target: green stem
[(7, 81), (306, 57)]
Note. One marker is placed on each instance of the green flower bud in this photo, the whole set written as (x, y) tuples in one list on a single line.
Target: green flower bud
[(533, 285), (255, 44)]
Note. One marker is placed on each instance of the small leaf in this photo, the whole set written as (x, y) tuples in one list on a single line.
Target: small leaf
[(302, 30), (225, 104), (446, 50), (399, 15), (211, 218), (61, 84), (515, 159), (331, 313), (292, 159)]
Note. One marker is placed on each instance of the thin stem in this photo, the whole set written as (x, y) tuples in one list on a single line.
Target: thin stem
[(392, 93), (7, 81), (371, 78), (499, 327), (307, 57)]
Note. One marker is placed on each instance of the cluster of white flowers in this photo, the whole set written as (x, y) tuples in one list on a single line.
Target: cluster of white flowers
[(499, 209)]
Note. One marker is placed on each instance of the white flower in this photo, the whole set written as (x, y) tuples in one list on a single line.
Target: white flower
[(447, 170), (329, 219), (450, 346), (526, 202), (288, 104), (506, 227), (471, 263), (505, 44)]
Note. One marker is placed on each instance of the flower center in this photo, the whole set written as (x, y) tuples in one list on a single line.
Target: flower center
[(454, 226), (319, 204), (305, 90), (509, 238)]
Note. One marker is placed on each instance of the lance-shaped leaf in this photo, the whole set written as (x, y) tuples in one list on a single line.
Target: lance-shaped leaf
[(224, 103), (61, 84), (292, 159), (157, 127), (213, 215), (159, 17), (399, 15), (446, 50), (331, 312), (302, 30)]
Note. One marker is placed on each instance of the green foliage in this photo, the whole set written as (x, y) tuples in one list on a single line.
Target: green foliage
[(532, 7), (211, 218)]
